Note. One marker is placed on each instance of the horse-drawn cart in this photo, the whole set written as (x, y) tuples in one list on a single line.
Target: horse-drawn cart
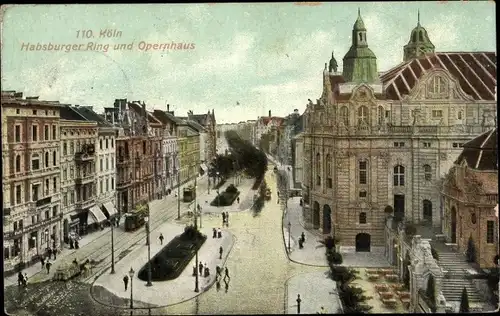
[(69, 270)]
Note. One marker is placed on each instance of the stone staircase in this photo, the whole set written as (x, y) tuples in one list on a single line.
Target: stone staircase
[(455, 267)]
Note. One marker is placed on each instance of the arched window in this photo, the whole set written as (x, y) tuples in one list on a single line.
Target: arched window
[(344, 115), (459, 115), (18, 163), (414, 37), (437, 85), (318, 169), (427, 173), (399, 175), (362, 218), (380, 115), (46, 160), (362, 114), (421, 36), (360, 37), (329, 171)]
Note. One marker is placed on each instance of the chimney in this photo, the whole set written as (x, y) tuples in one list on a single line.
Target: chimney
[(269, 113), (168, 107)]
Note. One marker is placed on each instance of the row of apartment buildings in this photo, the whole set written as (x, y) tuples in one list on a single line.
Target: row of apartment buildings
[(67, 170), (378, 139)]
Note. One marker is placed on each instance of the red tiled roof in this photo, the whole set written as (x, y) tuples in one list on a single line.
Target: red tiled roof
[(475, 71), (267, 119)]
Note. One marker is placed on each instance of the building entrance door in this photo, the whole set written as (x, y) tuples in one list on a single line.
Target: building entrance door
[(399, 206)]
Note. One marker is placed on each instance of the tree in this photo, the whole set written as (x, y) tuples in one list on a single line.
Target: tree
[(464, 302), (471, 251)]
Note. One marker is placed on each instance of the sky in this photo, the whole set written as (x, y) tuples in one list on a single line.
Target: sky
[(246, 59)]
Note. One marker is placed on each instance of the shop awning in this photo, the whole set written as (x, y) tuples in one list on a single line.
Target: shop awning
[(97, 216), (112, 211)]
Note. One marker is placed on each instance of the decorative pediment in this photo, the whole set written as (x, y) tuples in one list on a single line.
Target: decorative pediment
[(362, 93), (438, 84)]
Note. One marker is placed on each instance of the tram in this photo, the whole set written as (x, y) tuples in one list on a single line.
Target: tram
[(189, 194), (135, 219)]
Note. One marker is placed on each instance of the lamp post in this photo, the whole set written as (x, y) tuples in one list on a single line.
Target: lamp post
[(196, 289), (149, 251), (178, 195), (47, 238), (216, 182), (112, 246), (289, 233), (131, 275)]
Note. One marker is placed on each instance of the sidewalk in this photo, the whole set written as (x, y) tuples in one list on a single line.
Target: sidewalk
[(171, 292), (313, 252), (316, 290), (36, 269)]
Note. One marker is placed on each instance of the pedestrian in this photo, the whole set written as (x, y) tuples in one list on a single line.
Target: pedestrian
[(220, 252), (161, 239), (214, 233), (226, 274), (77, 246), (303, 236), (238, 199), (301, 243), (71, 243), (125, 281), (227, 286), (42, 260), (20, 278), (47, 266), (218, 285), (207, 272), (223, 218), (25, 279), (227, 218), (200, 268), (218, 271), (219, 233)]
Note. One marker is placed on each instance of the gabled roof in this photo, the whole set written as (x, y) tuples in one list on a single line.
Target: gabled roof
[(138, 109), (90, 115), (481, 152), (475, 72), (166, 117), (200, 118), (196, 126)]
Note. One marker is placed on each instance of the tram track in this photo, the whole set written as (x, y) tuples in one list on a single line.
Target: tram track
[(158, 218)]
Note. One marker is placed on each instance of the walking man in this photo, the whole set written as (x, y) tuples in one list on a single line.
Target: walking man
[(303, 236), (25, 279), (200, 268), (20, 278), (226, 274), (220, 252), (223, 218), (219, 233), (218, 271), (47, 266), (42, 260), (214, 233), (227, 218), (161, 239), (125, 281), (238, 199)]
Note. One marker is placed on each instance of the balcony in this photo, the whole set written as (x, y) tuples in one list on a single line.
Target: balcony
[(43, 202), (82, 179), (81, 205), (87, 154)]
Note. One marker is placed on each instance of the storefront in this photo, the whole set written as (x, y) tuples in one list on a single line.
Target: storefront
[(109, 210), (95, 218)]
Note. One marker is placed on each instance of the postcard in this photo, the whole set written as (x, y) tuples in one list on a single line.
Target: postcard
[(250, 158)]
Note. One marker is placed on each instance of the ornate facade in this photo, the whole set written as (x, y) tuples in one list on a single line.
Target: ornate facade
[(31, 184), (470, 194), (378, 139)]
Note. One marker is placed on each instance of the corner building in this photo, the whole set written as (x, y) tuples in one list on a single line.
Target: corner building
[(375, 139)]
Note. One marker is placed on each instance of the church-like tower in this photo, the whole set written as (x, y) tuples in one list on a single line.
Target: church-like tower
[(419, 43), (360, 63)]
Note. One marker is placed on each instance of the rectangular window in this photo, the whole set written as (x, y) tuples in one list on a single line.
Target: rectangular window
[(107, 185), (33, 219), (396, 144), (54, 132), (47, 215), (46, 132), (437, 113), (318, 180), (490, 230), (34, 133), (362, 194), (401, 144), (460, 145), (455, 145), (17, 134), (54, 212), (106, 143), (65, 174), (107, 163), (65, 199), (330, 183), (101, 164), (34, 112), (54, 158), (101, 186), (112, 183), (427, 145), (362, 172), (35, 164), (18, 194), (34, 192), (54, 183), (387, 114)]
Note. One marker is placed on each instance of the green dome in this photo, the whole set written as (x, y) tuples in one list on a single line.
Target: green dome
[(359, 52), (359, 25)]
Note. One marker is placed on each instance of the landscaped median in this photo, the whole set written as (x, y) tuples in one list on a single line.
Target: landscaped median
[(163, 293)]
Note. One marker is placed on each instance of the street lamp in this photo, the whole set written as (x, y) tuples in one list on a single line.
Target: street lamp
[(47, 238), (215, 183), (289, 233), (149, 251), (131, 275), (112, 221)]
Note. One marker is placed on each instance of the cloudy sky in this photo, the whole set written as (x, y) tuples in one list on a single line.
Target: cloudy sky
[(247, 58)]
